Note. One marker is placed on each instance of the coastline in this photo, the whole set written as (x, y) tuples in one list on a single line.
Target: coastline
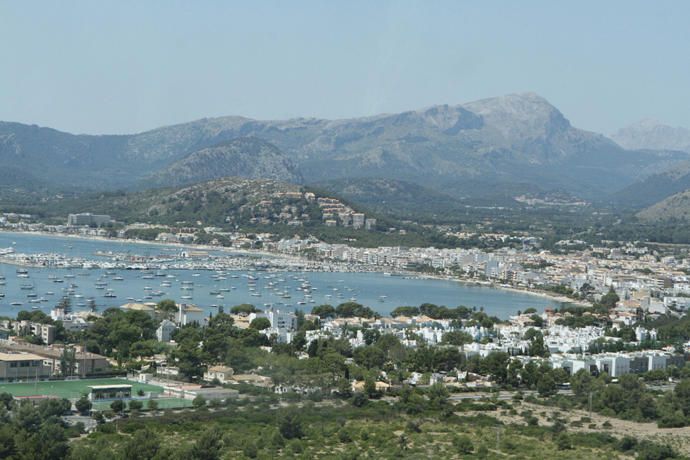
[(261, 253), (490, 285)]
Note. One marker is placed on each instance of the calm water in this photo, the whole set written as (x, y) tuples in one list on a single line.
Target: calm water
[(208, 288)]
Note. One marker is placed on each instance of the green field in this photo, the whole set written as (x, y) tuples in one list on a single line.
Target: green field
[(70, 389)]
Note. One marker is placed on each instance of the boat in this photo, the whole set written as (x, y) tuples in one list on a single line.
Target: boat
[(118, 278), (16, 304), (186, 297)]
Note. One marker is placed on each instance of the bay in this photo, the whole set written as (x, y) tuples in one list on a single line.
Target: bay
[(209, 289)]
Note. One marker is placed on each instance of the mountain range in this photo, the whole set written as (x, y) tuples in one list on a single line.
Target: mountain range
[(493, 148)]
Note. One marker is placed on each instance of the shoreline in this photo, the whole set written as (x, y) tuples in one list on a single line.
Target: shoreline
[(490, 285), (255, 252)]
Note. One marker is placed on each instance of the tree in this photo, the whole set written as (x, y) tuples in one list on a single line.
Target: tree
[(208, 446), (359, 399), (463, 444), (244, 309), (324, 311), (167, 306), (135, 405), (117, 406), (610, 299), (83, 405), (152, 405), (144, 445), (6, 400), (563, 442), (369, 357), (199, 401), (260, 324), (68, 361), (290, 426), (370, 388), (47, 443), (457, 338), (537, 347), (344, 389), (546, 386)]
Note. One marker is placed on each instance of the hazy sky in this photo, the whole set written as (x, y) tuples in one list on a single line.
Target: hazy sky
[(120, 66)]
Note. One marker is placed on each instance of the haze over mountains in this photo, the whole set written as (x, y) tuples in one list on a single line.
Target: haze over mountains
[(650, 134), (500, 147)]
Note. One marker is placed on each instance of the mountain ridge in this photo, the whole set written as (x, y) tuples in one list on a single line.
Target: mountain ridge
[(511, 139)]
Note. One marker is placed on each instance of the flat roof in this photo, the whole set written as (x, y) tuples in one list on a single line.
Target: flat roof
[(109, 387), (138, 306), (19, 357)]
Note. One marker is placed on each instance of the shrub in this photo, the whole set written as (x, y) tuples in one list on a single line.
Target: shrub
[(463, 444), (199, 402)]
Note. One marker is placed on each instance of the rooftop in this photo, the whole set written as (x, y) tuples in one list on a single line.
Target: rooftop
[(19, 357)]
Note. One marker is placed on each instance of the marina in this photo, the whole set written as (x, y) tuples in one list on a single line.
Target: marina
[(220, 279)]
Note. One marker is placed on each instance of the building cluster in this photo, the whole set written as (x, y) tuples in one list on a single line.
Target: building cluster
[(45, 332), (335, 213), (643, 279), (23, 361)]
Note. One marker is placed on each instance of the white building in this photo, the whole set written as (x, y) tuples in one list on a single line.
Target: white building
[(221, 373), (165, 331)]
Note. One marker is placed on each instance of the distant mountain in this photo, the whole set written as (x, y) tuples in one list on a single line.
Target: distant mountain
[(673, 208), (655, 188), (503, 145), (242, 157), (650, 134)]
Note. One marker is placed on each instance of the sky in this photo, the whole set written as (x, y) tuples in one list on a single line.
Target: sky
[(129, 66)]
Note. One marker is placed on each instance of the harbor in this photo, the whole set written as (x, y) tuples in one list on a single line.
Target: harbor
[(41, 270)]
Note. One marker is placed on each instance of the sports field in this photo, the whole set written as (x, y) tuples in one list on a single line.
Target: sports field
[(70, 389)]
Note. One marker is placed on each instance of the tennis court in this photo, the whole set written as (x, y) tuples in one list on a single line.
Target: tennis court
[(71, 389)]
